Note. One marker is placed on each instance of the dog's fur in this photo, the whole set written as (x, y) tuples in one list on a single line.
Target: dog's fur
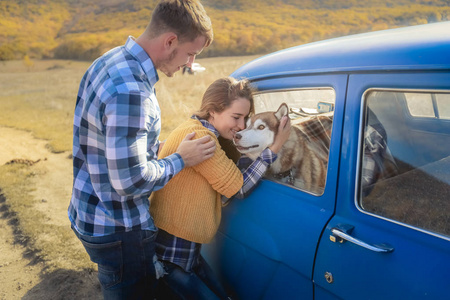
[(303, 158)]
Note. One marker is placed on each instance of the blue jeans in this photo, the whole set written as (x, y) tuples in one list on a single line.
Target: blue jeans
[(200, 284), (126, 268)]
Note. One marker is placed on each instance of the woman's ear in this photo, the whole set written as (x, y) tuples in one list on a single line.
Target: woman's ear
[(211, 117)]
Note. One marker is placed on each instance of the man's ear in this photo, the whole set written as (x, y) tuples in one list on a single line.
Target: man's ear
[(170, 41)]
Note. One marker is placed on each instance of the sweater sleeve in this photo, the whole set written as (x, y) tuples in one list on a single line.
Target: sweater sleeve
[(220, 171)]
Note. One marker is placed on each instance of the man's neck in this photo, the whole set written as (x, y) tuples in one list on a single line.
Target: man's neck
[(152, 47)]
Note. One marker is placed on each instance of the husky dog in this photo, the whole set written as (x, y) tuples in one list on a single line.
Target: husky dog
[(302, 161)]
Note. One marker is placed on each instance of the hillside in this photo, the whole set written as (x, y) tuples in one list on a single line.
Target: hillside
[(83, 29)]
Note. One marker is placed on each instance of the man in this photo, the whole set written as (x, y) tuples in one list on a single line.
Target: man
[(116, 129)]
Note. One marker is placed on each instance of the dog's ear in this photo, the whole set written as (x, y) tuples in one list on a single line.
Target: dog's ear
[(283, 110)]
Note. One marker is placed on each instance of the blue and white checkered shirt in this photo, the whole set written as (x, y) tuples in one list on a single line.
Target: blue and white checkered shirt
[(117, 124), (186, 253)]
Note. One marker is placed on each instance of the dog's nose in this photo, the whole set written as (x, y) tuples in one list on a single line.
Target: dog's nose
[(237, 136)]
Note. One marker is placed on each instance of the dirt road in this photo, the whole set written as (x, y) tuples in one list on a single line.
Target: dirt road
[(21, 274)]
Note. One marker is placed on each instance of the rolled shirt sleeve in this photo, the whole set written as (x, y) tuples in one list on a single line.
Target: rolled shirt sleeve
[(253, 171)]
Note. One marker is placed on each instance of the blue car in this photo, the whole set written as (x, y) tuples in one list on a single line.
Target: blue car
[(380, 227)]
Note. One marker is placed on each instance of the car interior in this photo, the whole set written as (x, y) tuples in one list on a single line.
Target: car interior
[(417, 192)]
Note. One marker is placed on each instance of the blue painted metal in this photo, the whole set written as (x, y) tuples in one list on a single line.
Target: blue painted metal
[(276, 243), (259, 242), (417, 269), (424, 47)]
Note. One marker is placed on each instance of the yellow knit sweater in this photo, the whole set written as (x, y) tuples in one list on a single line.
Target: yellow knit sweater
[(189, 206)]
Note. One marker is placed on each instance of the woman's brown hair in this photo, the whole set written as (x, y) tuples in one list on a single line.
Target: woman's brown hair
[(221, 93)]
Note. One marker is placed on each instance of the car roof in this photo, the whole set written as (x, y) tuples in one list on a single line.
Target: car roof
[(422, 47)]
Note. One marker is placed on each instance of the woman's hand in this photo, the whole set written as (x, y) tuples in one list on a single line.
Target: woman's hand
[(283, 134)]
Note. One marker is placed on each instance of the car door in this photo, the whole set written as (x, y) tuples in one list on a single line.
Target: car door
[(390, 239), (266, 243)]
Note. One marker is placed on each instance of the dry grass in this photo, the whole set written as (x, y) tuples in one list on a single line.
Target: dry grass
[(40, 99), (181, 95)]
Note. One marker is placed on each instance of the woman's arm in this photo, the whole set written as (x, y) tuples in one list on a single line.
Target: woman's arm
[(220, 171), (254, 171)]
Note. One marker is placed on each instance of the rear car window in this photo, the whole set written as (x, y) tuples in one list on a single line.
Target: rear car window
[(428, 105), (311, 113), (405, 158)]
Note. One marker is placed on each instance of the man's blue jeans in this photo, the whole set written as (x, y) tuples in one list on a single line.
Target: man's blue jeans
[(126, 268), (200, 284)]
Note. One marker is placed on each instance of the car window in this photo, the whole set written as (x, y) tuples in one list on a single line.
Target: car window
[(428, 105), (303, 162), (405, 161)]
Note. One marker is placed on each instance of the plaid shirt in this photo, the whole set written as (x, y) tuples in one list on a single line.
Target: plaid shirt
[(186, 253), (378, 162), (317, 130), (117, 124)]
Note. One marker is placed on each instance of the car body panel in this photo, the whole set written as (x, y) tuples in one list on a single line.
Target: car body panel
[(278, 242), (395, 49), (257, 225), (418, 266)]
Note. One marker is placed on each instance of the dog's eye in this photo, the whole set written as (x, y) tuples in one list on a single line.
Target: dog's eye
[(261, 127)]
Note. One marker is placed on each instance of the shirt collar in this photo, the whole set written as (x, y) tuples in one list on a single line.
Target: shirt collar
[(143, 58), (207, 125)]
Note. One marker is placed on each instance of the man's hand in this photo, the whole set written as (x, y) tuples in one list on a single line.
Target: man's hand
[(283, 134), (195, 151), (161, 145)]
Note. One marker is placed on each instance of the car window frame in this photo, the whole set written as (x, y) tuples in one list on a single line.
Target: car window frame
[(361, 125)]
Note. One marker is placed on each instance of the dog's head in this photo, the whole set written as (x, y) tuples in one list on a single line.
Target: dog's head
[(260, 132)]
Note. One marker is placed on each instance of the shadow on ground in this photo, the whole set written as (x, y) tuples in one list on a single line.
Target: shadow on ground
[(59, 284), (66, 284)]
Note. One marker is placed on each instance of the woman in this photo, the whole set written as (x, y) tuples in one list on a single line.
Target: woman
[(187, 210)]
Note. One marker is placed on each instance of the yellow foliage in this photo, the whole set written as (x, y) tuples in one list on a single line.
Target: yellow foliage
[(28, 62), (62, 27)]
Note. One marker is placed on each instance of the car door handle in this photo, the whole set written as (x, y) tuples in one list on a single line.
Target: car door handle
[(342, 233)]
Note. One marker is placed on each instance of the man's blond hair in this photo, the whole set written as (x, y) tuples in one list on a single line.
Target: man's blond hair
[(186, 18)]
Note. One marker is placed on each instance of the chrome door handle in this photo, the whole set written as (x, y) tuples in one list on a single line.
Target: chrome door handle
[(342, 233)]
